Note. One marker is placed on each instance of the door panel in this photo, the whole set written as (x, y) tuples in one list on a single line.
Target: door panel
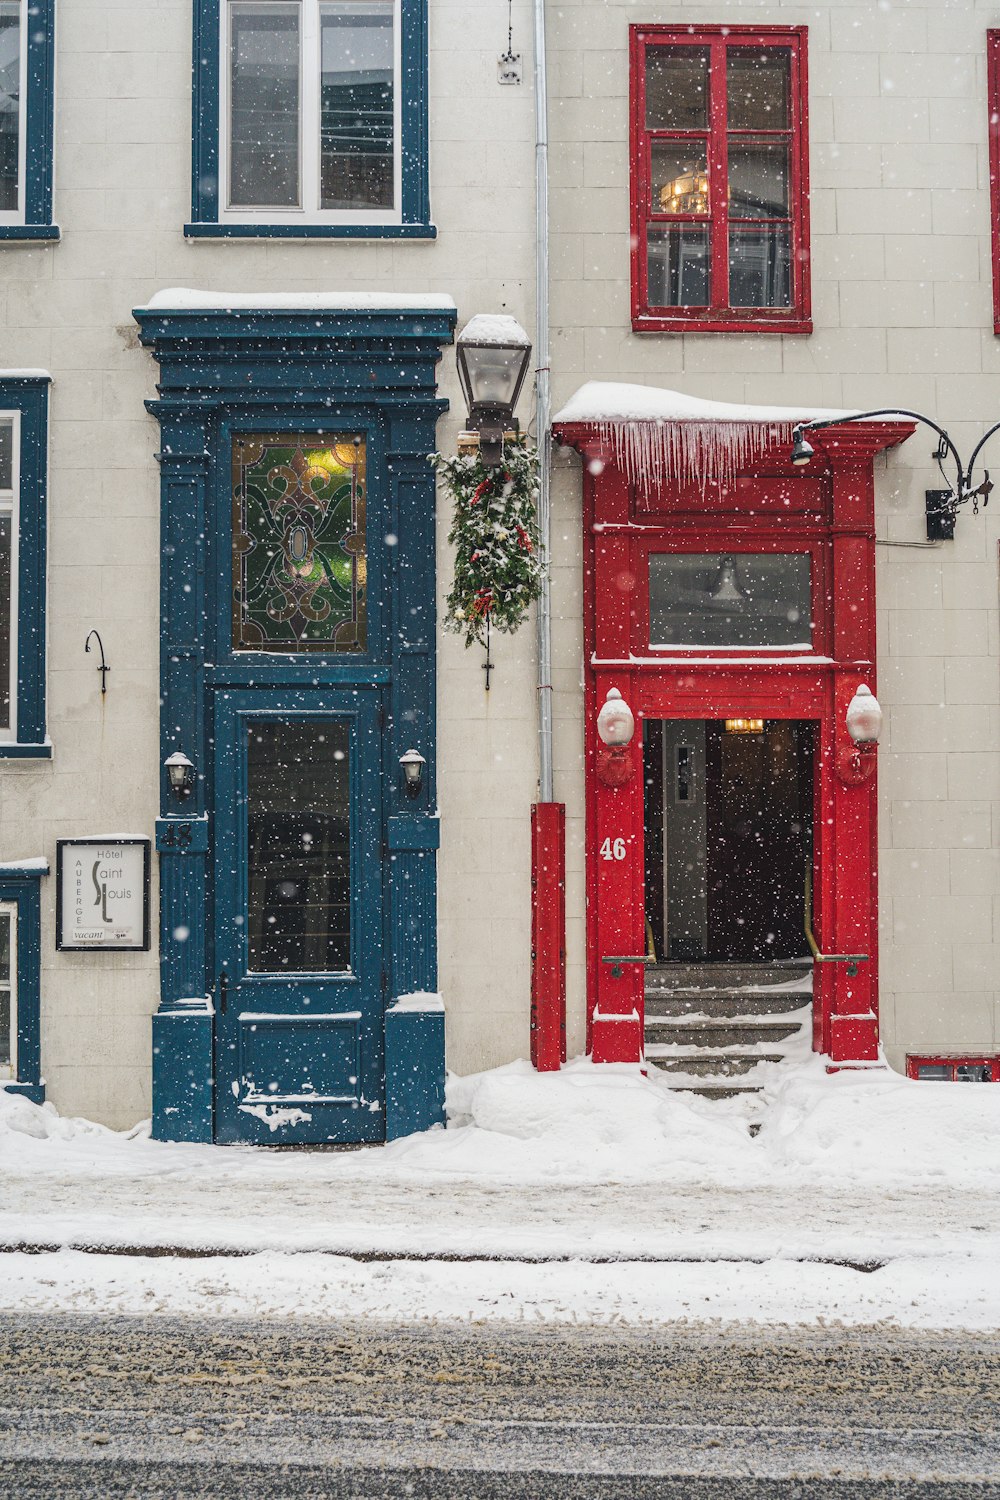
[(298, 917)]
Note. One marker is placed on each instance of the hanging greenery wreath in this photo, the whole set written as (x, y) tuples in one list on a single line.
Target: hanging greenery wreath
[(498, 569)]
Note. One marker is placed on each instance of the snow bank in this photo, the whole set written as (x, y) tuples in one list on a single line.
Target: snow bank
[(20, 1118), (880, 1128), (607, 1122), (928, 1293)]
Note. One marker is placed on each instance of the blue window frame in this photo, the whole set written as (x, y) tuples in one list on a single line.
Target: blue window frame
[(310, 119), (20, 978), (24, 401), (27, 58)]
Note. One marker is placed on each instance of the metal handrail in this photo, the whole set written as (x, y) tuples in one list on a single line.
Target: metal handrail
[(616, 962), (852, 960)]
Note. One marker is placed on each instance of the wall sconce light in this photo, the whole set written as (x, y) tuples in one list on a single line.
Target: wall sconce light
[(413, 772), (615, 729), (492, 353), (180, 774), (941, 506), (864, 725), (802, 450)]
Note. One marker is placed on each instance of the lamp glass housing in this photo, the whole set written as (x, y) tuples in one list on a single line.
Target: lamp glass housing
[(615, 722), (864, 717), (493, 352)]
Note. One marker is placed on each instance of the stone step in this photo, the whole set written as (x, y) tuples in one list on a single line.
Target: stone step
[(724, 1003), (717, 1090), (710, 1065), (713, 1033), (674, 976)]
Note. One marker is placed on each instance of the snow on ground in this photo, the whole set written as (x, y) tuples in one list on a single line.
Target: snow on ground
[(569, 1170)]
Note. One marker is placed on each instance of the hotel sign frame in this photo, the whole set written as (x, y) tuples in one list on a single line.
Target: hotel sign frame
[(99, 869)]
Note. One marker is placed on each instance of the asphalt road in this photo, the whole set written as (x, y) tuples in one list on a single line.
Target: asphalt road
[(155, 1407)]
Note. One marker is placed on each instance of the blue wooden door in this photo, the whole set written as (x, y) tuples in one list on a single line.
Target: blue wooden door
[(298, 916)]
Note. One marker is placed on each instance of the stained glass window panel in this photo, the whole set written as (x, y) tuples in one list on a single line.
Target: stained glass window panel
[(299, 562)]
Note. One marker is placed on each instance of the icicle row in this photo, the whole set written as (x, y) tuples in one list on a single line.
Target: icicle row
[(703, 453)]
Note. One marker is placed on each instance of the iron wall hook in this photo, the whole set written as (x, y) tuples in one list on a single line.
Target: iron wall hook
[(104, 669)]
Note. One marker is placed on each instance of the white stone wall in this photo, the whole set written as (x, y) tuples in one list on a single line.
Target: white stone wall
[(903, 315)]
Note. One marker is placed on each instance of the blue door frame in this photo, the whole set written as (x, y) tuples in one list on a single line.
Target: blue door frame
[(317, 370), (298, 1057)]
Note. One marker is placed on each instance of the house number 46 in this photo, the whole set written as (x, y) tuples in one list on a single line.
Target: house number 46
[(613, 849)]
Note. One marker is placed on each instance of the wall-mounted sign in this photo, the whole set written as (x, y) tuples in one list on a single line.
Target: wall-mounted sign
[(102, 894)]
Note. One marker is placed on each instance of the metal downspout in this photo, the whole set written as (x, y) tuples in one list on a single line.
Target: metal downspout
[(543, 404)]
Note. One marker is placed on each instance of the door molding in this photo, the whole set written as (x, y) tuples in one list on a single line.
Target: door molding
[(314, 370), (769, 507)]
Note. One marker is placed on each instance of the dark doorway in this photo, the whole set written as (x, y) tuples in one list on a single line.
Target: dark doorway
[(728, 837)]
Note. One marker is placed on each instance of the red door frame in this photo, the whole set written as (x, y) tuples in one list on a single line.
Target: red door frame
[(830, 511)]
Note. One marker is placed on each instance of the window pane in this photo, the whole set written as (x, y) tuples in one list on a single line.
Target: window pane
[(299, 848), (10, 103), (358, 69), (5, 620), (678, 178), (299, 566), (676, 88), (264, 90), (760, 267), (758, 180), (934, 1073), (758, 88), (6, 456), (718, 599), (974, 1073), (677, 265)]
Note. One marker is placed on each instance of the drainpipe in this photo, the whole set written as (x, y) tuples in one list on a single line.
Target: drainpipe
[(548, 818)]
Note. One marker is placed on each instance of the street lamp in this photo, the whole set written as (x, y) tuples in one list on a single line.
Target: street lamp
[(615, 730), (941, 506), (493, 351)]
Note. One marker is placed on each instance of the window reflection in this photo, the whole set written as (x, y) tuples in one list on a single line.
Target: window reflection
[(734, 599), (299, 847)]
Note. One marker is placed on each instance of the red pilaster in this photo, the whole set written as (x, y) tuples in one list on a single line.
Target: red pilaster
[(548, 936)]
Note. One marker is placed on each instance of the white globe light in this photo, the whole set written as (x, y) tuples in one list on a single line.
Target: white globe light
[(864, 717), (615, 722)]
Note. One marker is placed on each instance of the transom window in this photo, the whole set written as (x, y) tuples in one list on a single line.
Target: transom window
[(311, 110), (706, 599), (719, 232), (299, 563)]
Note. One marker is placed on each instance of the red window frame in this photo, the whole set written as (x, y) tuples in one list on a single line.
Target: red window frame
[(935, 1060), (719, 317), (993, 98)]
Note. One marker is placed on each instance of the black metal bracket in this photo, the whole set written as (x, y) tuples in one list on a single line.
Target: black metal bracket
[(104, 669), (941, 515)]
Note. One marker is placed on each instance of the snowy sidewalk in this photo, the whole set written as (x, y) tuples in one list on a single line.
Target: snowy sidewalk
[(862, 1197)]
